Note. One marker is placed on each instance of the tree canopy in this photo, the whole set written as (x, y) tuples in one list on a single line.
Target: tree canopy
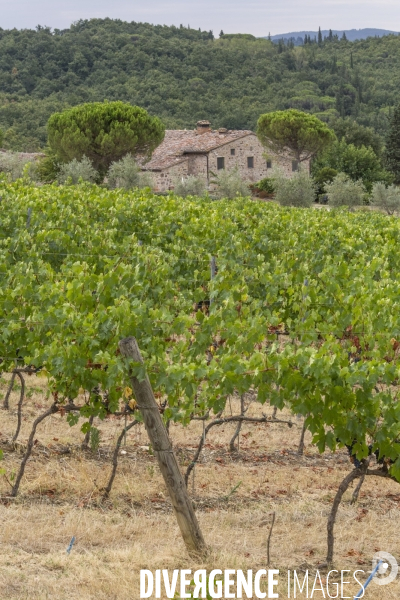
[(359, 135), (183, 75), (393, 145), (356, 162), (104, 132), (294, 132)]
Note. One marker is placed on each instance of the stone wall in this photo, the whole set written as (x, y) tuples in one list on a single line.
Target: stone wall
[(240, 154), (250, 147), (244, 148), (198, 165), (165, 180)]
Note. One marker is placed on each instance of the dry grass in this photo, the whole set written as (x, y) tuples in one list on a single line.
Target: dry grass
[(60, 498)]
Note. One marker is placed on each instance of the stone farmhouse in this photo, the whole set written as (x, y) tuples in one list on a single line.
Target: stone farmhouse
[(204, 152)]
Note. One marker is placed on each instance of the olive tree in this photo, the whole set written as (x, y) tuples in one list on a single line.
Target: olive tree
[(126, 174), (298, 190), (76, 171), (343, 191), (104, 132), (294, 133), (16, 166), (231, 185), (387, 198), (189, 186)]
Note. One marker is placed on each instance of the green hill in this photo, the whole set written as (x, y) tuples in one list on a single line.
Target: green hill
[(183, 75), (350, 34)]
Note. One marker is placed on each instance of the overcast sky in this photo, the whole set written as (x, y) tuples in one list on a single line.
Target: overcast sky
[(258, 17)]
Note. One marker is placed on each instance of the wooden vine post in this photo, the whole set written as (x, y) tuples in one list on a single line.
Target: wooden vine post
[(164, 453)]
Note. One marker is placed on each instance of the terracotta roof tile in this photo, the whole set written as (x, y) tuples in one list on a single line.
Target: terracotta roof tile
[(178, 143)]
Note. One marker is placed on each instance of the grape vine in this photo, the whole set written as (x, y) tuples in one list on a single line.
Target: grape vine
[(303, 309)]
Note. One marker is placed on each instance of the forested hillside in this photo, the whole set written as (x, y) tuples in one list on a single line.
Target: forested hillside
[(350, 34), (183, 75)]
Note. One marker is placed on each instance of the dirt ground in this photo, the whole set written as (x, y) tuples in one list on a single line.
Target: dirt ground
[(234, 494)]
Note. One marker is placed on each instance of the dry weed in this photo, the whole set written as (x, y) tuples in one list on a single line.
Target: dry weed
[(60, 498)]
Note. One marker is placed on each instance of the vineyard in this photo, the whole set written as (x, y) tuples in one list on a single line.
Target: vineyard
[(271, 339)]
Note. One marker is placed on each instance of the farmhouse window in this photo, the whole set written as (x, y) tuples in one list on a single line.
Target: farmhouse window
[(269, 164), (250, 162), (220, 162), (232, 151), (295, 165)]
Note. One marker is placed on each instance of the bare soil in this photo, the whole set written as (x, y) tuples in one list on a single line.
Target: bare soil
[(234, 494)]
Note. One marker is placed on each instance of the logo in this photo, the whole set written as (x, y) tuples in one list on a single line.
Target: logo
[(387, 572)]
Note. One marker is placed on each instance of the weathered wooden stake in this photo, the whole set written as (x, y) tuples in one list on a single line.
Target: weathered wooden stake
[(213, 267), (162, 447), (300, 449)]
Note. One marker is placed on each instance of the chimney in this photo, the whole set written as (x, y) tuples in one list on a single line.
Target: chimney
[(203, 126)]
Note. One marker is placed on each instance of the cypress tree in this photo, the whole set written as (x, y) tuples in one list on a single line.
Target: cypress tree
[(392, 154), (319, 37), (351, 61)]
